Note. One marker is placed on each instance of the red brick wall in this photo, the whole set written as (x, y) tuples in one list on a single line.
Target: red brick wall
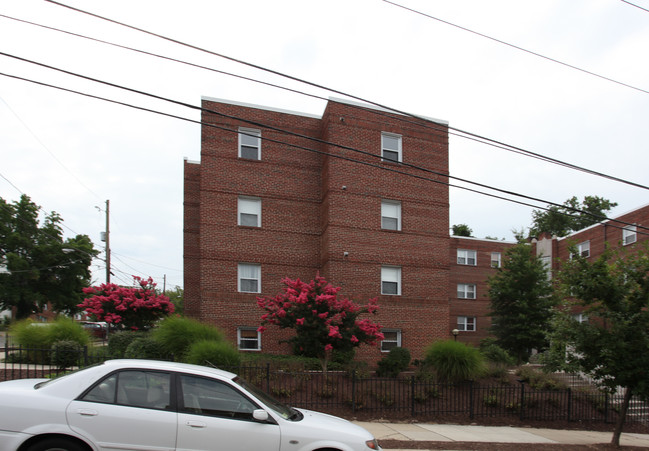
[(316, 207), (478, 275)]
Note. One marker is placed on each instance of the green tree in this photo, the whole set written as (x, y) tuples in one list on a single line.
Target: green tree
[(522, 298), (40, 265), (613, 346), (571, 216), (176, 296), (461, 230)]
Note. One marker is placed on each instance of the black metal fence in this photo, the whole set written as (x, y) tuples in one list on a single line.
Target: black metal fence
[(346, 394)]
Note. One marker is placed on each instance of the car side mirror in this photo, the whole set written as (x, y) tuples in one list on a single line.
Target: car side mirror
[(260, 415)]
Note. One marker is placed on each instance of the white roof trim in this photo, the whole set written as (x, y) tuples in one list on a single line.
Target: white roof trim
[(261, 107), (378, 108)]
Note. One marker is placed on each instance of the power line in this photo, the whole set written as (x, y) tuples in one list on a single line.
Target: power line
[(455, 131), (599, 218), (637, 6), (518, 48)]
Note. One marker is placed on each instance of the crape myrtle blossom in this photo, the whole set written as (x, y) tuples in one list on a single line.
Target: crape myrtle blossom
[(323, 321), (136, 307)]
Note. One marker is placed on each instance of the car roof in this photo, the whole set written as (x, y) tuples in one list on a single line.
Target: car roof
[(169, 366)]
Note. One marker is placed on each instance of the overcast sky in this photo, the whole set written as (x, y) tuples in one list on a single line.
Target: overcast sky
[(71, 153)]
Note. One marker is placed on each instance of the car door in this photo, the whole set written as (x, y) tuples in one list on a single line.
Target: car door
[(129, 409), (215, 415)]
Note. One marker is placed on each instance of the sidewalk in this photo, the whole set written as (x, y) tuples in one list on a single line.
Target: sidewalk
[(499, 434)]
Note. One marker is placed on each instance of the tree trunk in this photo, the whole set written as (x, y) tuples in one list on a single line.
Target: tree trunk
[(619, 424)]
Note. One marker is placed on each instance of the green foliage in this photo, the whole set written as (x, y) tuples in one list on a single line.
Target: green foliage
[(144, 348), (454, 361), (570, 217), (119, 341), (539, 379), (66, 329), (396, 361), (42, 266), (521, 302), (30, 334), (66, 354), (176, 334), (462, 230), (494, 353), (176, 295), (213, 353)]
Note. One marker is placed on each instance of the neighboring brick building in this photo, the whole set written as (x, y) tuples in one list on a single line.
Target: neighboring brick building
[(263, 204), (473, 261)]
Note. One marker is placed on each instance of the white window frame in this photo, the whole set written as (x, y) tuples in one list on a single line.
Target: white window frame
[(466, 291), (241, 338), (249, 206), (629, 235), (391, 209), (583, 249), (385, 148), (244, 135), (497, 261), (391, 274), (391, 344), (580, 317), (464, 322), (249, 271), (464, 257)]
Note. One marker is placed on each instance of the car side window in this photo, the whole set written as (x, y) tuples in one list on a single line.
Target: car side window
[(148, 389), (215, 398)]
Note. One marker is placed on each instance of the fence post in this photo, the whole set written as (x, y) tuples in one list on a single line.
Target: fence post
[(412, 395), (85, 355), (569, 402), (522, 414), (606, 407), (353, 391), (471, 399), (268, 377)]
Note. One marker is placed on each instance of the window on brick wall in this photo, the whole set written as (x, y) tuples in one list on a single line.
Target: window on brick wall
[(466, 257), (249, 278), (466, 291), (391, 147), (583, 249), (249, 339), (629, 235), (249, 211), (580, 317), (390, 215), (391, 280), (496, 259), (466, 323), (249, 143), (391, 339)]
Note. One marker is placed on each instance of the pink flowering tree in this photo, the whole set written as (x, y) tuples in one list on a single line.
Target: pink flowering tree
[(323, 321), (134, 308)]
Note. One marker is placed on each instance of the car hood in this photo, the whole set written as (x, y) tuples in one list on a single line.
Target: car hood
[(329, 424)]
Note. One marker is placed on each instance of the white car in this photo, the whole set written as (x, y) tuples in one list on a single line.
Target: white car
[(162, 406)]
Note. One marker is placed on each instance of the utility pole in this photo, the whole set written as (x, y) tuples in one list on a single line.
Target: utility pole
[(107, 241)]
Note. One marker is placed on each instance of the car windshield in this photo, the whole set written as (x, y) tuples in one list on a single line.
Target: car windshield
[(286, 412)]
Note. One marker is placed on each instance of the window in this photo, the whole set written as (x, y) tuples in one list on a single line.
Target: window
[(466, 323), (250, 211), (148, 389), (583, 249), (249, 143), (580, 318), (249, 278), (214, 398), (547, 265), (390, 215), (466, 291), (629, 235), (391, 147), (249, 339), (391, 280), (391, 339), (495, 259), (466, 257)]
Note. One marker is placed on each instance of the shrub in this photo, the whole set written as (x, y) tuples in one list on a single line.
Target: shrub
[(66, 329), (65, 354), (144, 348), (213, 353), (31, 335), (397, 360), (539, 380), (176, 335), (119, 341), (38, 338), (494, 353), (454, 361)]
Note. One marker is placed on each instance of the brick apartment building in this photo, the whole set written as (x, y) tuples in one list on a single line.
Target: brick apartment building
[(264, 204), (284, 194)]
